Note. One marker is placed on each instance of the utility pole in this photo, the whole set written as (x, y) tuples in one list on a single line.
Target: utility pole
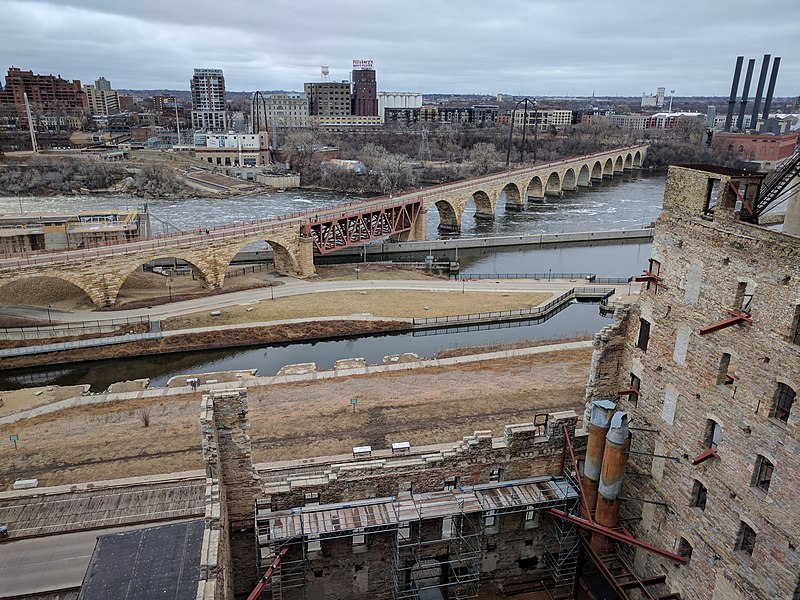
[(177, 121)]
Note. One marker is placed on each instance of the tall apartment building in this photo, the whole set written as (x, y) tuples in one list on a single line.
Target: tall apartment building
[(707, 364), (102, 100), (328, 98), (208, 100), (50, 97), (365, 91)]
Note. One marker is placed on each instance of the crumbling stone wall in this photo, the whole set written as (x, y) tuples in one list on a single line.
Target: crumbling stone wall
[(706, 262)]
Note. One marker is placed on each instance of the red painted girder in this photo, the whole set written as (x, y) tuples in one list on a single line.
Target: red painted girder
[(736, 319), (568, 444), (267, 577), (628, 390), (615, 535)]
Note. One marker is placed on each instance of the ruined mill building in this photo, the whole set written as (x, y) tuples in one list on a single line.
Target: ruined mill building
[(680, 481)]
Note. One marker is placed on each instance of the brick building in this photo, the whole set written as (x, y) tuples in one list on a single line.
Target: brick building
[(365, 92), (713, 348), (52, 99), (328, 98), (756, 147)]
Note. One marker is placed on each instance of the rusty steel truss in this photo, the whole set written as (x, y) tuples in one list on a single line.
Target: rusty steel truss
[(362, 225)]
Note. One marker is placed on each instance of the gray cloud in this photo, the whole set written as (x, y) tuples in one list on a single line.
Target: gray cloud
[(528, 47)]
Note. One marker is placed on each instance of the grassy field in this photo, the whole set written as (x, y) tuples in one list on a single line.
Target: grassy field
[(289, 421), (378, 303)]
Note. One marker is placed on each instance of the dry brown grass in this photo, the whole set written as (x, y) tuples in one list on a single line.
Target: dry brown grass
[(423, 406), (379, 303)]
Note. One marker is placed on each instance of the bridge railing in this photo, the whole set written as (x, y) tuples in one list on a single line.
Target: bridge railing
[(589, 277), (602, 293)]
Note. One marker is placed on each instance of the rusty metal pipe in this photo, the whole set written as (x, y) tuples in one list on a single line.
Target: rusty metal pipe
[(615, 460), (595, 445)]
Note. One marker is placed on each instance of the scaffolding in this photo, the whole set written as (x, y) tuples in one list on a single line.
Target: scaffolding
[(437, 537)]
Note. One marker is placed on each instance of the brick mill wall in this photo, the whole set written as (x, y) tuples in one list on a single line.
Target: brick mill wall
[(704, 263)]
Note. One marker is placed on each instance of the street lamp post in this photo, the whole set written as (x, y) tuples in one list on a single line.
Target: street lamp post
[(526, 101), (49, 320)]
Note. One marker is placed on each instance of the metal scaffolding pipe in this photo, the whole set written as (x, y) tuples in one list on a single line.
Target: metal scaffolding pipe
[(771, 89), (595, 445), (762, 79), (615, 460), (748, 77), (737, 72)]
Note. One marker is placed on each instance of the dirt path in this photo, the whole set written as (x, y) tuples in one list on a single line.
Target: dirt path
[(289, 421)]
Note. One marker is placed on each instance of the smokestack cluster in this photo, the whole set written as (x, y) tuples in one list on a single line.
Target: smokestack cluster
[(737, 72)]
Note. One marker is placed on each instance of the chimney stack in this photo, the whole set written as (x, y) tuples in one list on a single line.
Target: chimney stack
[(737, 72), (762, 79), (771, 89), (745, 91)]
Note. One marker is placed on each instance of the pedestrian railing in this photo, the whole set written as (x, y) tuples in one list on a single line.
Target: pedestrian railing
[(61, 330), (590, 277), (600, 293)]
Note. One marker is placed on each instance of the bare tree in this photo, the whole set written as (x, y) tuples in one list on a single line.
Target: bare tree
[(484, 158)]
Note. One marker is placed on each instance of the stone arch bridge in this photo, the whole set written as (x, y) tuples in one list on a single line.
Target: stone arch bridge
[(101, 272)]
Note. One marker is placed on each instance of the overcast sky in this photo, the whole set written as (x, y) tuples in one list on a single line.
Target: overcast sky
[(525, 47)]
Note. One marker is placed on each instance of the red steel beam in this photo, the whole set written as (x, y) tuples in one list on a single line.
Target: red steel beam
[(615, 535), (351, 229), (736, 319), (267, 577)]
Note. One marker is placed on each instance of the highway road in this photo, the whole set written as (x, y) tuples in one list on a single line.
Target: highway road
[(49, 563)]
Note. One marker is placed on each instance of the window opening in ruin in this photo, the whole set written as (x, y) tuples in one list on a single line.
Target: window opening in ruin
[(405, 487), (313, 545), (451, 483), (644, 334), (448, 527), (744, 296), (784, 399), (685, 549), (654, 268), (699, 493), (762, 475), (497, 474), (713, 434), (725, 375), (404, 531), (359, 539), (490, 521), (711, 196), (795, 337), (311, 499), (745, 539)]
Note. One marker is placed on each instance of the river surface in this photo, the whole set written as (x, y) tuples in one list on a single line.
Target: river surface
[(623, 202)]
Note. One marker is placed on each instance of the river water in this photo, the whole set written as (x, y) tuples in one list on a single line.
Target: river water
[(624, 202)]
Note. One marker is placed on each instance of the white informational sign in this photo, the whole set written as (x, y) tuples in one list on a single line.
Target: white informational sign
[(362, 64)]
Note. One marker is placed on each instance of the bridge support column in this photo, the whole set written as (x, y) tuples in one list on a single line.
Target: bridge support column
[(420, 231), (305, 258)]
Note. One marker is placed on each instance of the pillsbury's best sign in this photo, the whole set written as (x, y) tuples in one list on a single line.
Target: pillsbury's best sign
[(362, 64)]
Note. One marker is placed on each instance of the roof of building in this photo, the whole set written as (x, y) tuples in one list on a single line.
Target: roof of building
[(156, 562)]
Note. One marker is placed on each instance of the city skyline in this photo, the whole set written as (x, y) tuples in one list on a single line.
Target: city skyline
[(452, 48)]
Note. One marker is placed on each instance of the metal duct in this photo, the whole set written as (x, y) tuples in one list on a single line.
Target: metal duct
[(762, 79)]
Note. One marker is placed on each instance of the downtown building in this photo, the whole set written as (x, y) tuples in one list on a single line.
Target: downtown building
[(101, 99), (208, 100), (365, 89)]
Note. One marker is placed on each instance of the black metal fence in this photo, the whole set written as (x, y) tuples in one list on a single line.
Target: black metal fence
[(590, 277), (586, 292), (68, 329)]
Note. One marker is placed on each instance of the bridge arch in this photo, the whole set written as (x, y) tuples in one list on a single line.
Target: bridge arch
[(535, 188), (628, 162), (568, 182), (584, 177), (484, 208), (115, 284), (20, 286), (449, 219), (597, 171), (553, 186), (637, 160), (284, 260), (513, 196), (618, 168), (608, 168)]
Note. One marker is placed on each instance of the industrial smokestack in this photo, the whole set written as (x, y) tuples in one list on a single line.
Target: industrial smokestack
[(737, 72), (595, 445), (762, 79), (615, 459), (771, 89), (745, 91)]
